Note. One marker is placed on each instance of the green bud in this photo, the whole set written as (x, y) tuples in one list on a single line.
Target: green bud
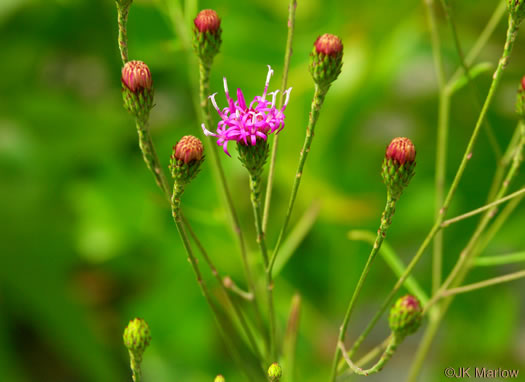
[(405, 316), (275, 372), (185, 163), (326, 59), (398, 166), (520, 99), (137, 337), (207, 35), (137, 89), (219, 378), (253, 157), (517, 10)]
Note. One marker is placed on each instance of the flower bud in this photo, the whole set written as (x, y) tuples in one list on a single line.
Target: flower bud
[(186, 159), (326, 59), (275, 372), (207, 35), (219, 378), (137, 89), (517, 10), (253, 157), (137, 337), (405, 316), (520, 99), (398, 166)]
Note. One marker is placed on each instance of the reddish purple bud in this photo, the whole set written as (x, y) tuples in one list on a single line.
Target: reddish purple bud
[(188, 149), (401, 150), (328, 44), (207, 21), (136, 76)]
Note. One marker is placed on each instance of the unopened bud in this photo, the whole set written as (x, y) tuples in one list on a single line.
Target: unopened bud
[(398, 166), (188, 155), (137, 336), (219, 378), (137, 89), (275, 372), (326, 59), (405, 316), (207, 35)]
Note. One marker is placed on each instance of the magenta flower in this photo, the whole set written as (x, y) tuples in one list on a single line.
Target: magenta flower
[(245, 124)]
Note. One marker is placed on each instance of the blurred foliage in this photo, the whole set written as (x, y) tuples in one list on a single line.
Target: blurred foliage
[(86, 240)]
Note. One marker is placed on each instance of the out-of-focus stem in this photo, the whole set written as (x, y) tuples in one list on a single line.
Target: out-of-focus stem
[(386, 220), (287, 56), (317, 102)]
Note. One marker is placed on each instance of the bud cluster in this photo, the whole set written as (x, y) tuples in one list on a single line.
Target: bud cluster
[(398, 166), (207, 35), (405, 316), (326, 59)]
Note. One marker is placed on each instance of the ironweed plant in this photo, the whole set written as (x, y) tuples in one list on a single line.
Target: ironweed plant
[(245, 312)]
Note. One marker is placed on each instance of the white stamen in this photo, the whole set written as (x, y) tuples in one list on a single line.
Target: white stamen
[(225, 85), (268, 76), (214, 103), (207, 132), (288, 91), (273, 94)]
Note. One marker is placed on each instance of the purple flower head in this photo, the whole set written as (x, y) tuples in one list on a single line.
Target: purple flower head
[(246, 123)]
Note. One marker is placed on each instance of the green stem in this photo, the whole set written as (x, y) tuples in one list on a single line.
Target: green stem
[(135, 361), (255, 196), (150, 156), (386, 220), (477, 211), (368, 357), (122, 19), (290, 338), (233, 304), (489, 261), (442, 138), (317, 102), (484, 284), (385, 357), (288, 55)]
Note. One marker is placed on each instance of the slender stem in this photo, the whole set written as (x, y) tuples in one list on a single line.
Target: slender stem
[(236, 309), (288, 55), (255, 188), (482, 40), (385, 357), (135, 363), (477, 211), (151, 158), (122, 19), (424, 346), (442, 138), (386, 220), (230, 285), (368, 357), (393, 261), (484, 284), (489, 261), (317, 102)]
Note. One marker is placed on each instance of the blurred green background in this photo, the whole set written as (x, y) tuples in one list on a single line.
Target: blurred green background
[(87, 242)]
